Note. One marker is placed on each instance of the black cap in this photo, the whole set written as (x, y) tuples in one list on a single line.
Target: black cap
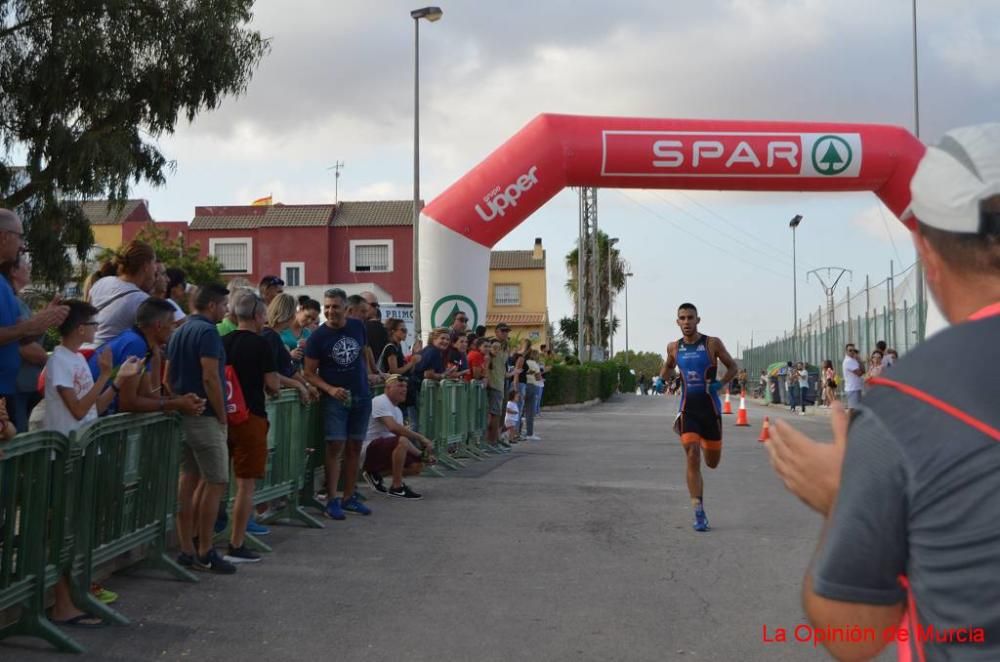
[(503, 326)]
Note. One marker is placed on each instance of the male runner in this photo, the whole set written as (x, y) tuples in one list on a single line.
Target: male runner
[(699, 422)]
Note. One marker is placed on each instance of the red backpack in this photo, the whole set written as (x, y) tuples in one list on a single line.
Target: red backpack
[(236, 405)]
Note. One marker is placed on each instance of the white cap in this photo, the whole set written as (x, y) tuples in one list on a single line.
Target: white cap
[(954, 177)]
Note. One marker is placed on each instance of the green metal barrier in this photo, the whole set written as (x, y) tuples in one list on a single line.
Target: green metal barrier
[(452, 419), (314, 454), (430, 413), (128, 487), (36, 483), (475, 442), (287, 437)]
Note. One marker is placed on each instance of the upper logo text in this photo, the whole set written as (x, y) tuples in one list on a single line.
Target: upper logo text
[(500, 199)]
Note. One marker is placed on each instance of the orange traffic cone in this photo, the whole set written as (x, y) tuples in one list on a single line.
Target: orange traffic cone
[(727, 407), (765, 431), (741, 414)]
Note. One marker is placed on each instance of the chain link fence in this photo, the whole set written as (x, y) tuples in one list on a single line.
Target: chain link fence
[(892, 310)]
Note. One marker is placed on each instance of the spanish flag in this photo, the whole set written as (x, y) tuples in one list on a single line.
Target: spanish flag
[(262, 202)]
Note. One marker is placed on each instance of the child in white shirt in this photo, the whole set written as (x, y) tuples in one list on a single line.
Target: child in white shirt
[(513, 416), (73, 399)]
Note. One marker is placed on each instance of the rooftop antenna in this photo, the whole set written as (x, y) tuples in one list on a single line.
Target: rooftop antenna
[(336, 167)]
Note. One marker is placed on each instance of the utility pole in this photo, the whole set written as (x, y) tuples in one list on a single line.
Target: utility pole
[(595, 279), (587, 311), (336, 167), (829, 289)]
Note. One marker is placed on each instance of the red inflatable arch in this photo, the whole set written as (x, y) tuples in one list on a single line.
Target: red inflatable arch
[(458, 228)]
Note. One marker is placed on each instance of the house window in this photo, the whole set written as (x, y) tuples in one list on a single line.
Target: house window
[(236, 255), (371, 255), (506, 295), (293, 273)]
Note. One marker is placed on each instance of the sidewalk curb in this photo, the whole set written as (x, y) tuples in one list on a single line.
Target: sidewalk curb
[(573, 407)]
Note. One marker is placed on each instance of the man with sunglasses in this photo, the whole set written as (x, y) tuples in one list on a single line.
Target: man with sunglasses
[(459, 325), (853, 370), (270, 287)]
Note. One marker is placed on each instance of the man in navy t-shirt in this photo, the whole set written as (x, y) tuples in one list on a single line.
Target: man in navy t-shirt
[(335, 364)]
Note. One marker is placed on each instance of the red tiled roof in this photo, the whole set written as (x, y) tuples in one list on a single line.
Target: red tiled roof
[(373, 213), (248, 217), (108, 212), (516, 260)]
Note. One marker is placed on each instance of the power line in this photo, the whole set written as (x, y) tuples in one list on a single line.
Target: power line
[(754, 249), (778, 253), (888, 232), (683, 229)]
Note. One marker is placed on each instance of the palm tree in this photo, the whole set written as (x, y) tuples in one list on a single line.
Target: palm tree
[(618, 270)]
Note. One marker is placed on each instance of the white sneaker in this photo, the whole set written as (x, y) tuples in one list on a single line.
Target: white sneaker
[(534, 437)]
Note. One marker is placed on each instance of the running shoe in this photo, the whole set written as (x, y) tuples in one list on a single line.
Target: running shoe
[(253, 528), (103, 594), (404, 492), (241, 555), (212, 562), (185, 560), (333, 509), (374, 481), (354, 505), (700, 520)]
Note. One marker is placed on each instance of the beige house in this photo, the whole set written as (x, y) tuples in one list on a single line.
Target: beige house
[(518, 295)]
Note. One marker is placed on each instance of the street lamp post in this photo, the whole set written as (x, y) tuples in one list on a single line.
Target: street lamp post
[(794, 223), (431, 14), (628, 275), (611, 312)]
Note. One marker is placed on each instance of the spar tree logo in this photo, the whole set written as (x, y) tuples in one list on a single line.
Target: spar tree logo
[(831, 155), (447, 307)]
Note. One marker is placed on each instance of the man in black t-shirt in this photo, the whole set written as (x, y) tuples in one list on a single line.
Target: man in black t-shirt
[(378, 337), (253, 363)]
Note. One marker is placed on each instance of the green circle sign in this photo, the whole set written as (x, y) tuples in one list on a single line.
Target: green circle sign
[(444, 310), (831, 155)]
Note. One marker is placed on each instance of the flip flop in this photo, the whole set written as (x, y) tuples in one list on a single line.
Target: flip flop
[(79, 622)]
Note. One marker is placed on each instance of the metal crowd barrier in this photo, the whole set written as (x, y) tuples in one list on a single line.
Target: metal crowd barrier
[(288, 438), (71, 505), (37, 482)]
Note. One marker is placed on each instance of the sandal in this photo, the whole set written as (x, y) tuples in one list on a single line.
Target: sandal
[(81, 621)]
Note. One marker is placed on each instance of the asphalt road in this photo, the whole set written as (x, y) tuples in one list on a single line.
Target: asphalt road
[(578, 547)]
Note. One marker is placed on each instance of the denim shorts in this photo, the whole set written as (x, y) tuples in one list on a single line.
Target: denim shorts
[(342, 423)]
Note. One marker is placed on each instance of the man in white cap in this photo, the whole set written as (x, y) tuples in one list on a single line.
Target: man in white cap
[(12, 330), (910, 487)]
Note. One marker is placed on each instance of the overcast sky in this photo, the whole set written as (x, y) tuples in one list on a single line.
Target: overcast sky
[(338, 86)]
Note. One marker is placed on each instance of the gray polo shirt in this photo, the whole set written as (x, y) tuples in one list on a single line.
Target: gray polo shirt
[(920, 494)]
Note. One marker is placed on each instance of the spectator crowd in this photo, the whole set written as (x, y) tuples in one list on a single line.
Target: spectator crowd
[(141, 339)]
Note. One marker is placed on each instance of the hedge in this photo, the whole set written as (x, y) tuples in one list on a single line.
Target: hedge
[(568, 384)]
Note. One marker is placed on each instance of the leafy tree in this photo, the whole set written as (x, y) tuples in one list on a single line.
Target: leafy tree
[(569, 329), (642, 362), (176, 253), (618, 268), (89, 86)]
